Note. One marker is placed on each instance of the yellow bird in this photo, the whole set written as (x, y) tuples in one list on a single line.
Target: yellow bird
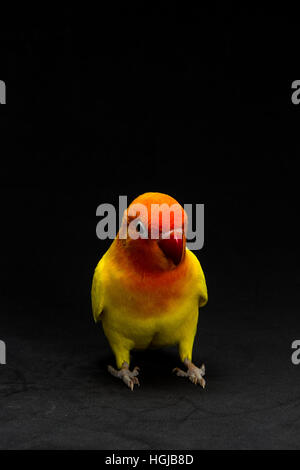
[(148, 287)]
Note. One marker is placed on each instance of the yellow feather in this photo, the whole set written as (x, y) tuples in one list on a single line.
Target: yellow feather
[(139, 318)]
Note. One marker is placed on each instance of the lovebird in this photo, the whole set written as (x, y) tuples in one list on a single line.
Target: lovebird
[(148, 287)]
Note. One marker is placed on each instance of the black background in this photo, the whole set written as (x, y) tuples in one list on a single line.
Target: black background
[(191, 103)]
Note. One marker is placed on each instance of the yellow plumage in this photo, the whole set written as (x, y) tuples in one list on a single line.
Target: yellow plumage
[(135, 315)]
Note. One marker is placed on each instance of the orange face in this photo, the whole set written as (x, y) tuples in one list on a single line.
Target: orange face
[(153, 232)]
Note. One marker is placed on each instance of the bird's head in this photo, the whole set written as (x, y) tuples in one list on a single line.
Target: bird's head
[(153, 232)]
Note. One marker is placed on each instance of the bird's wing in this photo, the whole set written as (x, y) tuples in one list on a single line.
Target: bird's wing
[(98, 291), (203, 297), (199, 278)]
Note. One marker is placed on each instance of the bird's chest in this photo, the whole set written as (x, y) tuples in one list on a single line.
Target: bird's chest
[(146, 298), (149, 317)]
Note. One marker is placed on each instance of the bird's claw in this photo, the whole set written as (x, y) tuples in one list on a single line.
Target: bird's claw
[(195, 374), (129, 377)]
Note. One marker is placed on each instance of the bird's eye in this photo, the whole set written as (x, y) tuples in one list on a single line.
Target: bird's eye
[(140, 229), (136, 229)]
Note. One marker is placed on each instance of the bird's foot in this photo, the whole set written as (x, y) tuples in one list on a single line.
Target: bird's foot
[(194, 373), (129, 377)]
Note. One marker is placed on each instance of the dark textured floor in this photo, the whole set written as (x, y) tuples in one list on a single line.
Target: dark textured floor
[(56, 393)]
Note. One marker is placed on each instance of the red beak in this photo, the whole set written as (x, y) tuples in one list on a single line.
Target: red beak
[(173, 246)]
